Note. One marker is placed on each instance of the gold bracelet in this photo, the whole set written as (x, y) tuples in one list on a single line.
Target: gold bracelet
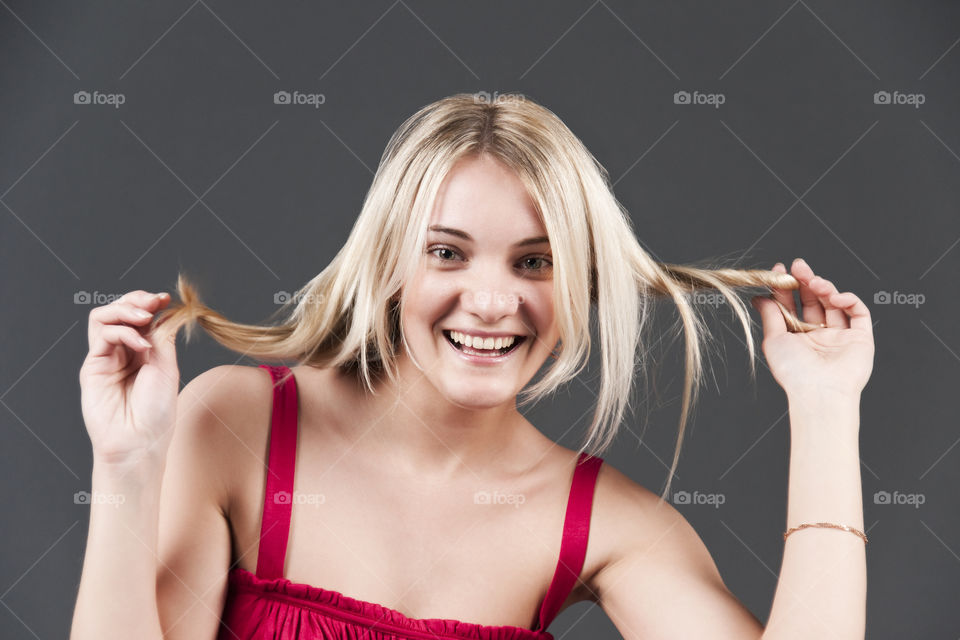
[(826, 524)]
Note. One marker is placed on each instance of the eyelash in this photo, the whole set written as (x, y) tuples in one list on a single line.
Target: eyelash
[(545, 258)]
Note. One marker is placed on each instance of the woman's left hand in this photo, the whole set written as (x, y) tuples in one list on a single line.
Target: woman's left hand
[(834, 361)]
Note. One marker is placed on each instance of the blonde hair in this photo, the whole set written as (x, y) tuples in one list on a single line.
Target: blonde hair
[(348, 316)]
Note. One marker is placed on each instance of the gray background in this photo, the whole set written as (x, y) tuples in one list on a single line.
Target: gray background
[(200, 170)]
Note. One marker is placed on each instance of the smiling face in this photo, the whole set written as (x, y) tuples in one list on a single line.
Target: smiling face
[(486, 269)]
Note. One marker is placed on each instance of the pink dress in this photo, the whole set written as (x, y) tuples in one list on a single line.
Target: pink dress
[(265, 605)]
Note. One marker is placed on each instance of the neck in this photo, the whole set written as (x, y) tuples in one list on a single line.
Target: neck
[(424, 435)]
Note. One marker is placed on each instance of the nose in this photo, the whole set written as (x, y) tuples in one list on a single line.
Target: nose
[(491, 298)]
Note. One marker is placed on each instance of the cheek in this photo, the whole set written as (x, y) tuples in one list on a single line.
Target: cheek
[(428, 298), (537, 307)]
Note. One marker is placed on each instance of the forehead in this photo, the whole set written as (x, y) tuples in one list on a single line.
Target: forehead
[(483, 197)]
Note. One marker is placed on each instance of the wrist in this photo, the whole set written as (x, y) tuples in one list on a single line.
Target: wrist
[(824, 401), (144, 470), (825, 420), (814, 395)]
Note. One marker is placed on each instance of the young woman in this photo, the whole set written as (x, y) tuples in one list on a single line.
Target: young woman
[(387, 485)]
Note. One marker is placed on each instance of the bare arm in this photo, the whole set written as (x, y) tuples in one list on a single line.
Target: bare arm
[(194, 545), (660, 582), (161, 534), (156, 565), (128, 396), (117, 595), (822, 590)]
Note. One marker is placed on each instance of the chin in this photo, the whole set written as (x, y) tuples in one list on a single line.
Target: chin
[(481, 396)]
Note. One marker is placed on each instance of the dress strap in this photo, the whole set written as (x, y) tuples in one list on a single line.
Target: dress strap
[(278, 497), (573, 545)]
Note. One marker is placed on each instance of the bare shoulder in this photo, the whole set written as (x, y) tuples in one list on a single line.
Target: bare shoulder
[(239, 398), (220, 395), (631, 525), (228, 410)]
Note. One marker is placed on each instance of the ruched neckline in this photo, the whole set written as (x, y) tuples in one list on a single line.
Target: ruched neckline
[(372, 616)]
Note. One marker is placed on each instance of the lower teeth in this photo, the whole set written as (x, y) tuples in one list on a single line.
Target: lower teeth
[(483, 352)]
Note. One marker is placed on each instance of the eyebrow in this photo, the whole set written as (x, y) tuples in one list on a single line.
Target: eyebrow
[(466, 236)]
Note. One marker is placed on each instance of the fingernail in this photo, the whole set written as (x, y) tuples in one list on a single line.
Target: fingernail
[(145, 343), (140, 313)]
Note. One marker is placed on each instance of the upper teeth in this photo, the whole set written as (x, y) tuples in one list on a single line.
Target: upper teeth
[(482, 343)]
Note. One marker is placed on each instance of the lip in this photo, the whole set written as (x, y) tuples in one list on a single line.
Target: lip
[(483, 360)]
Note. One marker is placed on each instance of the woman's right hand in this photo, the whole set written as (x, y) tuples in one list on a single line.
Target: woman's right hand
[(129, 389)]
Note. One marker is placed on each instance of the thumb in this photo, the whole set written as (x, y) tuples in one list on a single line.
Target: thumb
[(164, 351), (770, 316)]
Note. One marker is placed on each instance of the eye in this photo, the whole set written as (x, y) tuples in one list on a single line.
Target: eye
[(542, 259), (434, 250)]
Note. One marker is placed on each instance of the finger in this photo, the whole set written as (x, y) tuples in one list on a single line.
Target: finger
[(835, 318), (812, 308), (144, 299), (770, 315), (122, 312), (150, 302), (854, 307), (784, 296), (112, 336)]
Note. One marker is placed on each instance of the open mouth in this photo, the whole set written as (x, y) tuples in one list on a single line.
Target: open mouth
[(517, 341)]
